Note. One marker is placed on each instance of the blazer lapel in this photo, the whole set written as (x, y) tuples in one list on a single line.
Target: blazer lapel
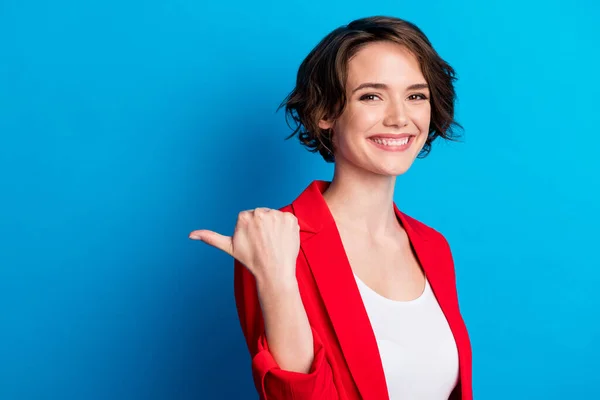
[(434, 261), (323, 248)]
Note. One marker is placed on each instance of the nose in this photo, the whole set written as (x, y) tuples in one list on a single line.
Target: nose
[(396, 114)]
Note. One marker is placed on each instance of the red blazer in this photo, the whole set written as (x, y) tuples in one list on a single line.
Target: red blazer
[(346, 362)]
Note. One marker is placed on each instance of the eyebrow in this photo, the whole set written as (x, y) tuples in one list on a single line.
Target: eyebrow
[(374, 85)]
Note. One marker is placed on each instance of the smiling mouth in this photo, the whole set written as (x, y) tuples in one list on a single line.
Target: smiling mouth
[(392, 142)]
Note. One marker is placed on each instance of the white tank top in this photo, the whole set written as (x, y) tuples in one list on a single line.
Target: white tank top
[(417, 348)]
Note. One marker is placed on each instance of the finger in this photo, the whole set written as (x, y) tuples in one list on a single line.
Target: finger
[(260, 210), (214, 239)]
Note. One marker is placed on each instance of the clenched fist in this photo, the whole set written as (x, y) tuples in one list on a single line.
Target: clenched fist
[(265, 241)]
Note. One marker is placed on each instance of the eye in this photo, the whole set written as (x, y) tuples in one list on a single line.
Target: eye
[(369, 97), (417, 96)]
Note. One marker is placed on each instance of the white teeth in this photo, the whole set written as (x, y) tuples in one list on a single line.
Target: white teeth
[(391, 142)]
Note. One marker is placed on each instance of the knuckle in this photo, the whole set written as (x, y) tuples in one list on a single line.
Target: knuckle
[(243, 216), (291, 217), (259, 213)]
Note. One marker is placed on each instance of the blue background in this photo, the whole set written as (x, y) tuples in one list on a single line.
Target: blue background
[(125, 125)]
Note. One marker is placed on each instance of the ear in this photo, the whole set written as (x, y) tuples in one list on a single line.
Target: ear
[(325, 124)]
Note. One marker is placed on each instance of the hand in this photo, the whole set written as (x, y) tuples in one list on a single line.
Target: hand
[(265, 241)]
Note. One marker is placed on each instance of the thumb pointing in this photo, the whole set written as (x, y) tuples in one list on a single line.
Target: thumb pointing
[(214, 239)]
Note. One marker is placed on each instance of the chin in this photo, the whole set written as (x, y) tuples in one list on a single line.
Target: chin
[(392, 171), (394, 167)]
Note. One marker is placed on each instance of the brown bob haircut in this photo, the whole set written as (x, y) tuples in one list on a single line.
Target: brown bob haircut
[(320, 91)]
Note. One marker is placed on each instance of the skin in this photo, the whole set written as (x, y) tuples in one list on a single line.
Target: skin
[(360, 199), (360, 196)]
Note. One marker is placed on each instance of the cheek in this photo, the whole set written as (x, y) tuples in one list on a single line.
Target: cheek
[(352, 125), (361, 119), (367, 117), (422, 118)]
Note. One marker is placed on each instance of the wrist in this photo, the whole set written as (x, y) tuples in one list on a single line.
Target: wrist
[(276, 286)]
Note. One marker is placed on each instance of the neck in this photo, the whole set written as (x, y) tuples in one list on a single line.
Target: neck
[(362, 202)]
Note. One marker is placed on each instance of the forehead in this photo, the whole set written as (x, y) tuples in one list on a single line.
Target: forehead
[(384, 62)]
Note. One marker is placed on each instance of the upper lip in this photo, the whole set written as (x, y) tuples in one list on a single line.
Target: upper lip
[(391, 136)]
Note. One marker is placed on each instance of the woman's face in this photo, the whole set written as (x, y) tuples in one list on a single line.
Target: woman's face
[(385, 122)]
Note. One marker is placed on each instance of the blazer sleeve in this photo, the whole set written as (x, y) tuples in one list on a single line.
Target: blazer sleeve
[(272, 382)]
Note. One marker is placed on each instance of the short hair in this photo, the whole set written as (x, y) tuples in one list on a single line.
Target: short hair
[(321, 81)]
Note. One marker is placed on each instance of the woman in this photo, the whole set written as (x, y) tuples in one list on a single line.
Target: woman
[(339, 294)]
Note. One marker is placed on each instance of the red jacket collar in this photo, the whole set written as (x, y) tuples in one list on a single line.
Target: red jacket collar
[(313, 213)]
